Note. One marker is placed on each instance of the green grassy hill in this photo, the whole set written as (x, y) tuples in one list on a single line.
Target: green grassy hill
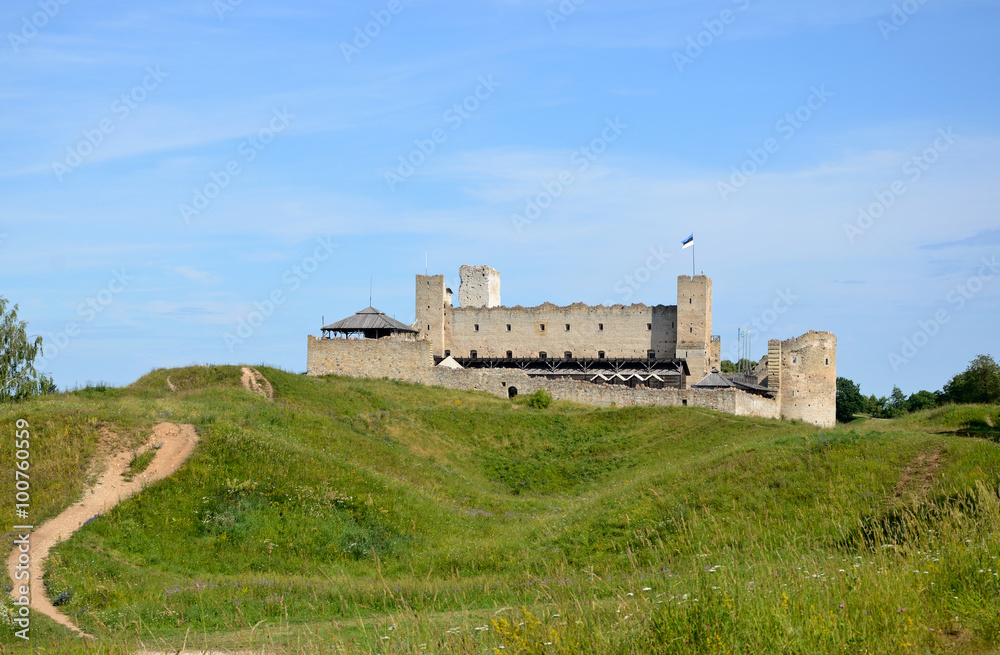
[(382, 517)]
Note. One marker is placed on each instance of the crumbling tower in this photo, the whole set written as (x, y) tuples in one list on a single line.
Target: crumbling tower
[(480, 286)]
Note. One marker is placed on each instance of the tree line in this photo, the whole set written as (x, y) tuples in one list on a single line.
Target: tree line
[(979, 383)]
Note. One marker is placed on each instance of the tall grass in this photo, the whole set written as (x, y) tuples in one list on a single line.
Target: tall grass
[(382, 517)]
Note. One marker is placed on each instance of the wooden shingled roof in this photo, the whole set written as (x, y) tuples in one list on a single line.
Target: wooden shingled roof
[(368, 319)]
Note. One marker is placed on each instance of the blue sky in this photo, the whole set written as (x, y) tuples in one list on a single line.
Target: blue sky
[(173, 172)]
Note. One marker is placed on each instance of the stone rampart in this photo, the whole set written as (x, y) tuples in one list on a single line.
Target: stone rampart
[(411, 361), (389, 357)]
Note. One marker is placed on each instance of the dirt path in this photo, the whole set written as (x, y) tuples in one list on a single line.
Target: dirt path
[(918, 477), (255, 381), (175, 443)]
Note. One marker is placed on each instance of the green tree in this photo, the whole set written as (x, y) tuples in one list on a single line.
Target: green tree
[(18, 377), (877, 407), (897, 403), (921, 400), (849, 400), (979, 383), (727, 366)]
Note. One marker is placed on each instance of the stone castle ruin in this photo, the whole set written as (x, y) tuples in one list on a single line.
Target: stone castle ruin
[(597, 354)]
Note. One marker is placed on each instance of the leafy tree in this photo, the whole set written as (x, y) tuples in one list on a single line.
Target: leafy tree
[(979, 383), (921, 400), (727, 366), (18, 377), (897, 403), (877, 407), (849, 400)]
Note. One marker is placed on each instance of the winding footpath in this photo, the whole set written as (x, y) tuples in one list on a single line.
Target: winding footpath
[(174, 444)]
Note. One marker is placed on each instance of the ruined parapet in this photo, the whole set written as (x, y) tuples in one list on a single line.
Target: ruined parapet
[(773, 363), (480, 286)]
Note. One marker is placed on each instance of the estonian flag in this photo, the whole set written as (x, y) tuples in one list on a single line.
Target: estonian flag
[(688, 241)]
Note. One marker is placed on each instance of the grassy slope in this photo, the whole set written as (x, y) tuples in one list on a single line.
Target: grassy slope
[(348, 507)]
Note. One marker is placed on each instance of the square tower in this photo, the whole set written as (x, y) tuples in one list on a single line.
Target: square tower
[(433, 303), (694, 323)]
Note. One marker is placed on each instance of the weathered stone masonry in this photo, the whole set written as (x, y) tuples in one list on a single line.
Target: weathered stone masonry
[(802, 371)]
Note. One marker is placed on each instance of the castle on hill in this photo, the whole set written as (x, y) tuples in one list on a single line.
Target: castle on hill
[(597, 354)]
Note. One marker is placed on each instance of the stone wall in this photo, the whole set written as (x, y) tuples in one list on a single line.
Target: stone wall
[(479, 286), (411, 361), (583, 330), (389, 357)]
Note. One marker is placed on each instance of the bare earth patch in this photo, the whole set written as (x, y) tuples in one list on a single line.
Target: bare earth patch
[(175, 444), (254, 380), (918, 477)]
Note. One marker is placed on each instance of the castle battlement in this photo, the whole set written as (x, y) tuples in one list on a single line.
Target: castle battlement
[(661, 349)]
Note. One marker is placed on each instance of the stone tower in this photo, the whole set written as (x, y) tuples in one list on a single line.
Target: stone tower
[(694, 323), (432, 305), (804, 371), (480, 286)]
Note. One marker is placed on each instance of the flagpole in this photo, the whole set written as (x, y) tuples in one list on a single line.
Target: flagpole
[(692, 260)]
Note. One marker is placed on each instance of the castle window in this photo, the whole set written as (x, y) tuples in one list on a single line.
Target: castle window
[(649, 326), (827, 361), (447, 353), (428, 327), (567, 327), (568, 355), (542, 355), (508, 327), (689, 301), (543, 327), (795, 360), (600, 354), (600, 326), (473, 354), (477, 327), (650, 354), (691, 330), (510, 354)]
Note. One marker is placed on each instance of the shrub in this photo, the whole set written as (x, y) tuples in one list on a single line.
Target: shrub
[(540, 399)]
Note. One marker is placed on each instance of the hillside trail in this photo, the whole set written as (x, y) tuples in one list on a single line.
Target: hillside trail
[(253, 380), (174, 444)]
